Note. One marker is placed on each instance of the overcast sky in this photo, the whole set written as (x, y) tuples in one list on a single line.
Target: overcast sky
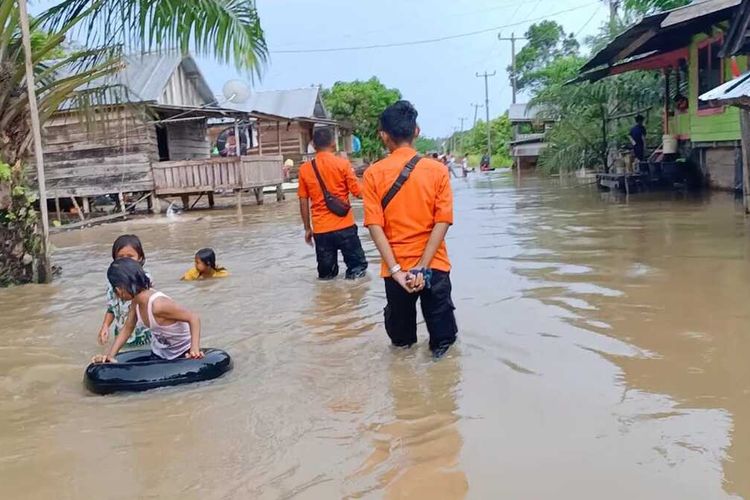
[(439, 78)]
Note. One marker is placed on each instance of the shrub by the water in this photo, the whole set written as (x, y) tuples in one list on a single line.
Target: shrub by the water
[(19, 235)]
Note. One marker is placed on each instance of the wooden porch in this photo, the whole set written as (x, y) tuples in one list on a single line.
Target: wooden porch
[(209, 176)]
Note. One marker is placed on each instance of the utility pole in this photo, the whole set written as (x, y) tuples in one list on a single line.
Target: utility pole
[(512, 41), (476, 110), (486, 75), (614, 6), (462, 134), (43, 270)]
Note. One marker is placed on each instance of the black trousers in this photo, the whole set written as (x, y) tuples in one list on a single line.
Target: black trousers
[(327, 247), (639, 151), (437, 309)]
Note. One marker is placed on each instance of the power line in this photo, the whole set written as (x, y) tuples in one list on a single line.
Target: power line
[(593, 15), (409, 24), (429, 40)]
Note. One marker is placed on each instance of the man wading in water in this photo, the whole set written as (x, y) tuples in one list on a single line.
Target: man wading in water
[(408, 210), (324, 187)]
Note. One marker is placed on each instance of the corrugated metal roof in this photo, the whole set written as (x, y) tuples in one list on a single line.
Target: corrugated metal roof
[(522, 112), (697, 9), (295, 103), (735, 89), (145, 76), (661, 32), (528, 149)]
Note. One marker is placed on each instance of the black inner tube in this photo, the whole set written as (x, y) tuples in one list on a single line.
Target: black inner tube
[(136, 371)]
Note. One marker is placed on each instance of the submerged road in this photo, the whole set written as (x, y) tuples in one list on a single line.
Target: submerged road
[(603, 353)]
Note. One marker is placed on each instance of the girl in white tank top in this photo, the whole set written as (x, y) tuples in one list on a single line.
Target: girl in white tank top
[(175, 331)]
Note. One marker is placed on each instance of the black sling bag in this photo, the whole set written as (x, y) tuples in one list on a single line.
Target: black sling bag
[(402, 177), (335, 205)]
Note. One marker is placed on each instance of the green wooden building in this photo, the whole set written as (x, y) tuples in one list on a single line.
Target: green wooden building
[(684, 44)]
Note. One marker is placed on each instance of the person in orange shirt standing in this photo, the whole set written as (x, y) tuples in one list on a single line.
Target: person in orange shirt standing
[(324, 187), (408, 210)]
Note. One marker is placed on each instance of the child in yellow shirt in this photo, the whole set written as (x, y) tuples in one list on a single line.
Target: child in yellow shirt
[(205, 267)]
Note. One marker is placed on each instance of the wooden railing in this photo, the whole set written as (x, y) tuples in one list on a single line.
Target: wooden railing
[(212, 174)]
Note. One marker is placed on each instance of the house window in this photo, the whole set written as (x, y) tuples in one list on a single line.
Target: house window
[(710, 69)]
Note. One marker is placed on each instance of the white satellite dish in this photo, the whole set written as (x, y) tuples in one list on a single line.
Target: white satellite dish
[(236, 91)]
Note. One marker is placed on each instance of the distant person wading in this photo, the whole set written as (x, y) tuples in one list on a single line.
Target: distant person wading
[(408, 210), (324, 187)]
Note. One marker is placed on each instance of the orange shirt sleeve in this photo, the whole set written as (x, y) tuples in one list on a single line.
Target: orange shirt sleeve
[(351, 180), (302, 191), (444, 199), (373, 209)]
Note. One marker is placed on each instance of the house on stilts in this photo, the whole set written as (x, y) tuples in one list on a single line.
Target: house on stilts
[(152, 141), (687, 46), (302, 109)]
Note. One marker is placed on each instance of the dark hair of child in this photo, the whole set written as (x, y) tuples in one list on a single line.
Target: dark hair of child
[(128, 240), (208, 257), (128, 275)]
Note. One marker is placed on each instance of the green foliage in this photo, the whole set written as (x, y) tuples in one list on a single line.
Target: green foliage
[(593, 118), (474, 141), (497, 161), (644, 7), (546, 42), (425, 144), (361, 103), (19, 238), (228, 30)]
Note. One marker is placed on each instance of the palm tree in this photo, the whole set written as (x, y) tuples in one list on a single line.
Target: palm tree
[(53, 89), (228, 30)]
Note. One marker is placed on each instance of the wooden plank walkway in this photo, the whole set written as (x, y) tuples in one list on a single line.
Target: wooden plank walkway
[(206, 176)]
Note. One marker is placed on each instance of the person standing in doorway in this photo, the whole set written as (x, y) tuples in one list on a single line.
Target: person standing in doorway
[(324, 187), (638, 139), (408, 210)]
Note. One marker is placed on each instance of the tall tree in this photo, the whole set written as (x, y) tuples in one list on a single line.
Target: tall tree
[(546, 41), (361, 103), (643, 7)]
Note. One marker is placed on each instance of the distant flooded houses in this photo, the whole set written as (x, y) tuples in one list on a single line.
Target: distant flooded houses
[(529, 128), (302, 109), (687, 46), (158, 140)]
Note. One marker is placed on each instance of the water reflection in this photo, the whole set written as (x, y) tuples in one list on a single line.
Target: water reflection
[(668, 279), (416, 454)]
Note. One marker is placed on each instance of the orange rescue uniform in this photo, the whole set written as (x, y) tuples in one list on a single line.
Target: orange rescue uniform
[(424, 200), (338, 176)]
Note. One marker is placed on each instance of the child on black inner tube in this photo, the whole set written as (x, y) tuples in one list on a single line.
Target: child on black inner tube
[(175, 331)]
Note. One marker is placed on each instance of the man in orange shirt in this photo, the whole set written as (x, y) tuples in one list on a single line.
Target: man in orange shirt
[(408, 210), (330, 231)]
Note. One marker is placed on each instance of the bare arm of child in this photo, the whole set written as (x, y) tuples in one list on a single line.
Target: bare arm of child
[(120, 340), (167, 309), (103, 336)]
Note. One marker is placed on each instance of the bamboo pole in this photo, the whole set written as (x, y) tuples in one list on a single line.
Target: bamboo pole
[(44, 270), (78, 208), (745, 132)]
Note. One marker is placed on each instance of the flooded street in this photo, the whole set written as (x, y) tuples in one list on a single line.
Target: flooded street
[(603, 353)]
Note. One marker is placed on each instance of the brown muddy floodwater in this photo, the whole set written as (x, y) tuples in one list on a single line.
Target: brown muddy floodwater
[(604, 353)]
